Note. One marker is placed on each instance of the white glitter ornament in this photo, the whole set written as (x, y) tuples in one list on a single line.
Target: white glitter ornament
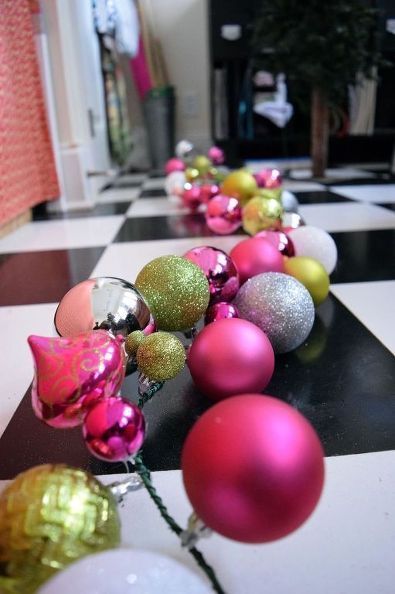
[(174, 183), (280, 306), (315, 243), (126, 571), (289, 201)]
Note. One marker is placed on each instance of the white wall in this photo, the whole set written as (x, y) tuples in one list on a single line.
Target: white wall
[(182, 28)]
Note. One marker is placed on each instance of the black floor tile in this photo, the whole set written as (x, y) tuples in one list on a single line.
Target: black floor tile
[(388, 205), (342, 379), (44, 277), (172, 227), (364, 256), (111, 208), (153, 193), (320, 197)]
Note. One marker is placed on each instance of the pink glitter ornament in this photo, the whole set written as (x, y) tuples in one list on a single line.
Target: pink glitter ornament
[(230, 357), (280, 240), (191, 196), (114, 429), (256, 255), (73, 373), (268, 178), (220, 271), (220, 311), (253, 468), (174, 165), (216, 155), (223, 215)]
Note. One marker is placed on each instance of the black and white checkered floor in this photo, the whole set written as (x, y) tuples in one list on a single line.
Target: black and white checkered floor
[(342, 379)]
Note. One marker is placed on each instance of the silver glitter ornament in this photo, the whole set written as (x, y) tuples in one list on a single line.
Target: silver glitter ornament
[(280, 306)]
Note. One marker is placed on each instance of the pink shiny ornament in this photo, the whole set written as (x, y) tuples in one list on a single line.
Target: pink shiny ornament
[(174, 165), (191, 196), (208, 191), (223, 215), (268, 178), (220, 311), (255, 255), (114, 429), (253, 468), (280, 240), (216, 155), (230, 357), (219, 269), (73, 373)]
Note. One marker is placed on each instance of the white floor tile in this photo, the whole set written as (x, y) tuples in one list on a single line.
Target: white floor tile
[(156, 207), (16, 364), (63, 234), (302, 186), (374, 305), (347, 216), (125, 260), (118, 195), (369, 193), (346, 546), (157, 183)]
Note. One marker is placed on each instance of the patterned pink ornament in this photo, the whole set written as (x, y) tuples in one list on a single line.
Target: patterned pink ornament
[(73, 373), (268, 178), (216, 155), (174, 165), (223, 215), (114, 429), (208, 191), (280, 240), (191, 196), (220, 271), (220, 311)]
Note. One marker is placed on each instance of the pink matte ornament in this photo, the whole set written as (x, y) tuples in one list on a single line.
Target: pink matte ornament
[(114, 429), (230, 357), (191, 197), (223, 215), (174, 165), (280, 240), (73, 373), (256, 255), (268, 178), (220, 311), (216, 155), (208, 191), (219, 269), (253, 468)]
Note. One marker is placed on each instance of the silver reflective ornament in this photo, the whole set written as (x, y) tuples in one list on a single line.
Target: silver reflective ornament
[(280, 306), (184, 149), (289, 201), (104, 303)]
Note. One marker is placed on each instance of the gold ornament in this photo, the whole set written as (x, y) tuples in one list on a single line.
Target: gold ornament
[(161, 356), (311, 274), (177, 292), (261, 213), (133, 341), (50, 516), (269, 193), (191, 174), (241, 184)]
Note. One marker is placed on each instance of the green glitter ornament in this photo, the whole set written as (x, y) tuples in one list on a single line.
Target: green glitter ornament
[(176, 290), (50, 516), (161, 356), (133, 341)]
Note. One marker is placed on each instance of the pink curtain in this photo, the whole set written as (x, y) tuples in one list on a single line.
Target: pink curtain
[(27, 167)]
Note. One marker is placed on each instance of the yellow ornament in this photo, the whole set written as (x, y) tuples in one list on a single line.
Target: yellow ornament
[(241, 184), (261, 213), (133, 341), (161, 356), (311, 274), (191, 174), (269, 193), (50, 516), (202, 164)]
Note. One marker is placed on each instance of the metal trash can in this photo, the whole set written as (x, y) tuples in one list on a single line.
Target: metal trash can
[(159, 115)]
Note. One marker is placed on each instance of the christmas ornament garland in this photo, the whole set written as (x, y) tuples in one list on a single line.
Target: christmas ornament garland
[(252, 466)]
